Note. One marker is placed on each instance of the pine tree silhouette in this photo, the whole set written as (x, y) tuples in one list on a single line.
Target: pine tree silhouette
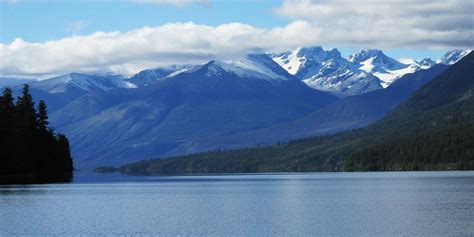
[(30, 150)]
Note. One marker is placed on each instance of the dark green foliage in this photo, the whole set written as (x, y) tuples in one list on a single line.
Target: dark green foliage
[(30, 152), (448, 149), (308, 155), (432, 130), (42, 116)]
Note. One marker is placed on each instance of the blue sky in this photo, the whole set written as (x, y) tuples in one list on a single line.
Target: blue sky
[(61, 27), (37, 22)]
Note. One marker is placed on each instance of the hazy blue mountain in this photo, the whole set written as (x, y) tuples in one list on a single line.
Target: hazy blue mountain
[(81, 83), (62, 90), (165, 118), (327, 70), (432, 130), (344, 114), (13, 81), (111, 119)]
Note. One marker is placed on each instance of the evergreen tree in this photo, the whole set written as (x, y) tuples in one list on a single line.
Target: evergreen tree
[(42, 116), (25, 117), (64, 150), (7, 109), (25, 110), (29, 150)]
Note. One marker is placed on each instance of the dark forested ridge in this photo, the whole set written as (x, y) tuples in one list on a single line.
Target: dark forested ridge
[(30, 150), (432, 130), (448, 149)]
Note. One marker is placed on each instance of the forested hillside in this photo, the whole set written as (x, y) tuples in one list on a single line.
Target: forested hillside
[(434, 129), (31, 152)]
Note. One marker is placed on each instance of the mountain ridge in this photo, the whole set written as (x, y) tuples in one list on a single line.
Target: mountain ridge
[(427, 132), (166, 115)]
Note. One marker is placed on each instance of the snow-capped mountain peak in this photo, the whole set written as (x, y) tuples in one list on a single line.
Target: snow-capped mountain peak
[(387, 69), (451, 57), (365, 54), (290, 61), (254, 66), (327, 70), (296, 61), (318, 54), (318, 67), (426, 63), (377, 58), (262, 64)]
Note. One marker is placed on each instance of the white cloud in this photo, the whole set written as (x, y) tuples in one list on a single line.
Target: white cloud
[(397, 24), (147, 47), (393, 23)]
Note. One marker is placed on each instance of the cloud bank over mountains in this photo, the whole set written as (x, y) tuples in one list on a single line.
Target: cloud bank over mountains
[(361, 24), (392, 23), (129, 52)]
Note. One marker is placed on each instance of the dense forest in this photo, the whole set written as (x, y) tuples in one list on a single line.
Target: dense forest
[(432, 130), (31, 152), (448, 149)]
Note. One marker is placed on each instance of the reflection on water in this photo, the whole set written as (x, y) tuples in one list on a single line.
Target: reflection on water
[(409, 203)]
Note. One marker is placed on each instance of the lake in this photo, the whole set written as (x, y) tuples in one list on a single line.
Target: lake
[(341, 204)]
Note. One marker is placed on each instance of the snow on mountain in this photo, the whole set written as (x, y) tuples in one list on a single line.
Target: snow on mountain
[(253, 66), (451, 57), (426, 63), (263, 65), (389, 76), (342, 79), (407, 61), (240, 69), (305, 62), (327, 70), (256, 66), (423, 64), (290, 61), (149, 76), (168, 117), (387, 69)]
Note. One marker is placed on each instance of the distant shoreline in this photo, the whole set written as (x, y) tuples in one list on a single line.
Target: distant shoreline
[(113, 170)]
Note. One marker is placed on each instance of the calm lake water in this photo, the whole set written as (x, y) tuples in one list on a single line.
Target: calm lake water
[(405, 203)]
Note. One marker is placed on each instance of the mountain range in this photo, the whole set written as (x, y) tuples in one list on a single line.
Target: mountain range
[(432, 130), (364, 71), (166, 117), (259, 99)]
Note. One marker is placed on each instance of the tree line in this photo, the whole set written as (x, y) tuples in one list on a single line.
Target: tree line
[(449, 149), (31, 151)]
